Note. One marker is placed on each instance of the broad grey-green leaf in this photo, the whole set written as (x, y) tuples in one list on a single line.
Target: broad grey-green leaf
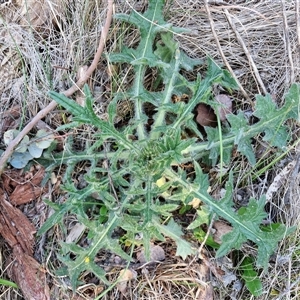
[(44, 139), (35, 151), (202, 218), (20, 160), (9, 135), (22, 147)]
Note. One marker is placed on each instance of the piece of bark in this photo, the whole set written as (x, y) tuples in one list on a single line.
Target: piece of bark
[(29, 275), (15, 227), (23, 188), (24, 270)]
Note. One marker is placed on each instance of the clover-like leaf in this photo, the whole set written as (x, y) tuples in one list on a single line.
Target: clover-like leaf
[(34, 150), (22, 147), (44, 139), (19, 160), (9, 135)]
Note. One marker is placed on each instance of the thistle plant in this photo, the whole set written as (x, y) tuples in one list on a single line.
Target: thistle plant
[(135, 170)]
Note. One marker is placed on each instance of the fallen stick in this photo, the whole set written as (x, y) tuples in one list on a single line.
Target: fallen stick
[(82, 80)]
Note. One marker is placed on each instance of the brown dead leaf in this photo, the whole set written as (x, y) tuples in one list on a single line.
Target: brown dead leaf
[(29, 275), (221, 228), (23, 188), (206, 291), (206, 115), (10, 119), (15, 227), (75, 233), (226, 106), (37, 14), (125, 276), (157, 253)]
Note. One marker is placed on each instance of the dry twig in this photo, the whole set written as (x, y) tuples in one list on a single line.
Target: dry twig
[(250, 59), (211, 22), (290, 76), (298, 21)]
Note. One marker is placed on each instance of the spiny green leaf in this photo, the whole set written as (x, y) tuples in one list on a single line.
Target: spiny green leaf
[(273, 119), (202, 218), (173, 231), (53, 220), (246, 224), (240, 133), (239, 126)]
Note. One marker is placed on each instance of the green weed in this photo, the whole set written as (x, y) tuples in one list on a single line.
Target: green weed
[(135, 170)]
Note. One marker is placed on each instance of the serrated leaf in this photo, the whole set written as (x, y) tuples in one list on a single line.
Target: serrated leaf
[(84, 257), (173, 231), (164, 209), (231, 240), (128, 189), (228, 81), (239, 127), (273, 117), (87, 115), (271, 123), (165, 49), (202, 218), (54, 219), (246, 224)]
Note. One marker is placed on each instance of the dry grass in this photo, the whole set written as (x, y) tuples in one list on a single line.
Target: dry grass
[(258, 40)]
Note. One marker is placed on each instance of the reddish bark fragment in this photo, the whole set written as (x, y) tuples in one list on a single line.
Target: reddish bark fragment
[(15, 227), (29, 276), (23, 188)]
